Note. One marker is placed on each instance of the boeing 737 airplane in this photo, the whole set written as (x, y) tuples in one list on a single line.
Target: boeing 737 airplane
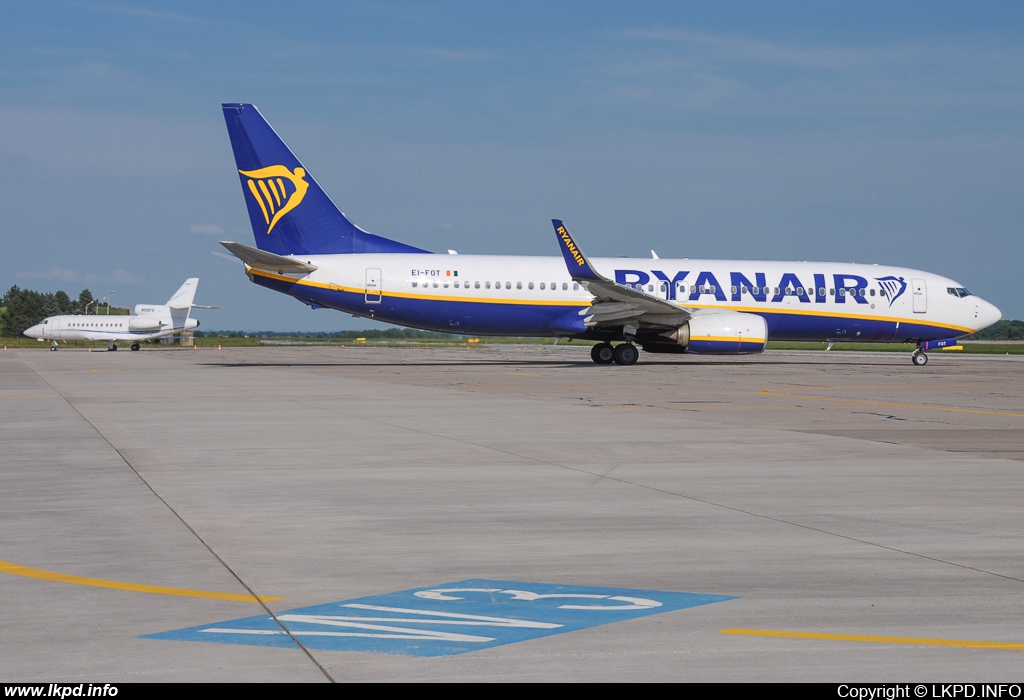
[(308, 249), (149, 322)]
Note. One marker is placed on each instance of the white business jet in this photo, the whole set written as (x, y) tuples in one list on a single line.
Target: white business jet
[(308, 249), (149, 322)]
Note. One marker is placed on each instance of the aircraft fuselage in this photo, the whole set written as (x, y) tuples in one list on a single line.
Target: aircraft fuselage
[(519, 295)]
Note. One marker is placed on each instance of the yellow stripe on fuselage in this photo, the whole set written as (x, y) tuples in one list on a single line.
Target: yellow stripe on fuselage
[(421, 297), (717, 339)]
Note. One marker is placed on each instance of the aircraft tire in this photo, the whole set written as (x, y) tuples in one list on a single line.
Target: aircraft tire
[(626, 354), (920, 359), (135, 347), (602, 354)]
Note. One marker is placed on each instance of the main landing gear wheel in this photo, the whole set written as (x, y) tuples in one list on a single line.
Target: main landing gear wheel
[(111, 347), (135, 347), (602, 354), (920, 359), (626, 354)]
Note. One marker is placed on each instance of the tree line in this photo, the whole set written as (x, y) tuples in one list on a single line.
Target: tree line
[(1003, 330)]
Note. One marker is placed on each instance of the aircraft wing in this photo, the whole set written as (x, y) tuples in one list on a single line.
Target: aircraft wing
[(262, 260), (615, 304)]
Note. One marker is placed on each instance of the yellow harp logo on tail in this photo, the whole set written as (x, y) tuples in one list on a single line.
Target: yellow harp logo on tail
[(270, 187)]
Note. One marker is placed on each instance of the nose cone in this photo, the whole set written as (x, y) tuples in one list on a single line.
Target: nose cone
[(35, 331), (988, 314)]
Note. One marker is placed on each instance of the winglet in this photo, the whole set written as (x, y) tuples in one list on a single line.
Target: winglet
[(575, 260)]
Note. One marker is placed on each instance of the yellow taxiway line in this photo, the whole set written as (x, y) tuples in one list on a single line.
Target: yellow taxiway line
[(7, 567), (918, 641)]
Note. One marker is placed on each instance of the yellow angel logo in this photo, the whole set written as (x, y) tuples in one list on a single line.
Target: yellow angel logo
[(269, 186)]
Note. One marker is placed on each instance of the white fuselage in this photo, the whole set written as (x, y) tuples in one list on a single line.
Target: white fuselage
[(518, 295)]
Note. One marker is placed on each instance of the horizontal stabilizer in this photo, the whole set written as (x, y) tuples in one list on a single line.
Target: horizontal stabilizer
[(263, 260)]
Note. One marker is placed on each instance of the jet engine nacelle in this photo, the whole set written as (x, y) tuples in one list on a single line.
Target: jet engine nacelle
[(719, 333), (144, 323)]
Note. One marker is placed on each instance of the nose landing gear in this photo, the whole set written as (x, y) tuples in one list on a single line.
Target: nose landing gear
[(919, 358)]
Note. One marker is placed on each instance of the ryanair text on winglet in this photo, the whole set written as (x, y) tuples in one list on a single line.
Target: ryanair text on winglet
[(577, 256)]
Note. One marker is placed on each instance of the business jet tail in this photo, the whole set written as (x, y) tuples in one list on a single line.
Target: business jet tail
[(182, 299), (289, 212)]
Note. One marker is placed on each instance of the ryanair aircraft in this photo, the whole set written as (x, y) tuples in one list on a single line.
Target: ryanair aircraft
[(308, 249), (149, 322)]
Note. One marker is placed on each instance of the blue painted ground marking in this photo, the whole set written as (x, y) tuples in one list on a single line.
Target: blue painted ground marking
[(452, 618)]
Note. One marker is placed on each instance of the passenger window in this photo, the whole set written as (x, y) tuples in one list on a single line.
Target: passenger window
[(732, 290), (650, 288), (542, 285), (565, 285), (455, 284), (476, 285), (575, 286), (519, 285), (508, 285), (487, 285), (435, 284), (414, 283), (445, 284)]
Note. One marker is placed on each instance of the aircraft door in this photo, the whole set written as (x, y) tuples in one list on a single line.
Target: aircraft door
[(372, 288), (920, 293)]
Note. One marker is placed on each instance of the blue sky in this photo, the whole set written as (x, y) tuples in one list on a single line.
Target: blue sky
[(867, 132)]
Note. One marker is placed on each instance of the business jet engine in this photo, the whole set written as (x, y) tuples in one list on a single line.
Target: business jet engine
[(145, 323), (714, 333)]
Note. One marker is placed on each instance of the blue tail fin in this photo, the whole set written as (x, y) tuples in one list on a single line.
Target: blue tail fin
[(290, 214)]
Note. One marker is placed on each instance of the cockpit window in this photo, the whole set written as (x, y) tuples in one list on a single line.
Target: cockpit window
[(958, 292)]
